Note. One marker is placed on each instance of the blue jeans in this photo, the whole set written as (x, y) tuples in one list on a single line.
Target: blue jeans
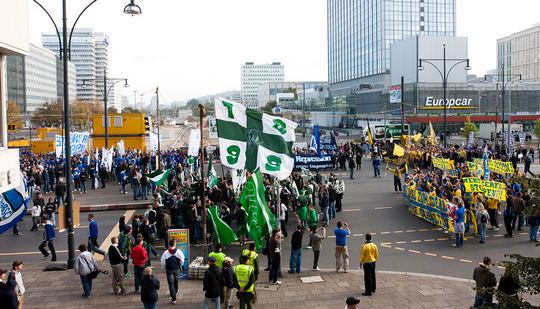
[(376, 171), (459, 239), (144, 192), (332, 210), (123, 190), (138, 274), (211, 302), (482, 232), (83, 185), (86, 281), (480, 300), (135, 191), (352, 173), (150, 305), (172, 280), (326, 215), (533, 232), (296, 260)]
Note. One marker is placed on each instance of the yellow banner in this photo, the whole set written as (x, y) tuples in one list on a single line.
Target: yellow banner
[(428, 207), (493, 189), (473, 184), (443, 164), (500, 167), (475, 168)]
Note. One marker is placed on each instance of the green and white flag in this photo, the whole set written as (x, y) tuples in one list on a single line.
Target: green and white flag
[(158, 177), (224, 233), (249, 139), (211, 176), (260, 220)]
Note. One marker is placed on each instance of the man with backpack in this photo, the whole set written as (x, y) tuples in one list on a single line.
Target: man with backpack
[(172, 261)]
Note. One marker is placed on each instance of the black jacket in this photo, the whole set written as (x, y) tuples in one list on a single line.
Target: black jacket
[(115, 258), (149, 287), (296, 240), (213, 281), (8, 297)]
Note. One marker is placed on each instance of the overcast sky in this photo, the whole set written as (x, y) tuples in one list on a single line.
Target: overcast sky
[(192, 48)]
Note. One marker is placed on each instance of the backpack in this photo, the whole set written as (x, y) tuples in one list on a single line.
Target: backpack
[(483, 219)]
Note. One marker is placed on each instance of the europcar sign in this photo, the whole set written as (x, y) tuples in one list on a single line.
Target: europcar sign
[(437, 103)]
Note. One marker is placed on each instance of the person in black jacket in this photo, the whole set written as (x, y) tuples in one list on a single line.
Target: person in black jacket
[(8, 297), (149, 287), (117, 261), (212, 285), (228, 281), (509, 285)]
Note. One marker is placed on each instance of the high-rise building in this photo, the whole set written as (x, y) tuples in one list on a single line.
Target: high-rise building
[(89, 53), (255, 74), (519, 53), (361, 32)]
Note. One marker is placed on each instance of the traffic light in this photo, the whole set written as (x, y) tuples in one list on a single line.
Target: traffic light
[(146, 124), (11, 127)]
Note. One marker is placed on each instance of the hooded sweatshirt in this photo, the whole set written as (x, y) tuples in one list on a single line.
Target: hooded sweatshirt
[(484, 278), (172, 259)]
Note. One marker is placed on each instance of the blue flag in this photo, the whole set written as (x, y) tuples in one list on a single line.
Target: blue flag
[(485, 158), (13, 204), (315, 142)]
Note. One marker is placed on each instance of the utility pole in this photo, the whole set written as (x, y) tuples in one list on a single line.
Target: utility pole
[(445, 103), (203, 187), (402, 102), (105, 107), (158, 136)]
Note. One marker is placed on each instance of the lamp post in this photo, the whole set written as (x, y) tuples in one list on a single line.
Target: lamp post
[(444, 75), (65, 55), (502, 80), (158, 136), (105, 99)]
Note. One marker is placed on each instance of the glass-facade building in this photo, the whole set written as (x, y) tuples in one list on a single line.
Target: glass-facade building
[(361, 32)]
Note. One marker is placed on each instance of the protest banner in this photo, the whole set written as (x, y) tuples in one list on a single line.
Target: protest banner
[(78, 143), (182, 242), (472, 184), (329, 143), (312, 162), (428, 207), (475, 168), (443, 164), (501, 167), (493, 189)]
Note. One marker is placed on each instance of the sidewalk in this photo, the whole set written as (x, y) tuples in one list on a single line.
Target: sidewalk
[(63, 290)]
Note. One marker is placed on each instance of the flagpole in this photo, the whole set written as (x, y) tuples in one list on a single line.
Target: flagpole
[(203, 187)]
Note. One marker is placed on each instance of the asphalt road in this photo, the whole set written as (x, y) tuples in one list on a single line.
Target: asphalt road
[(406, 243)]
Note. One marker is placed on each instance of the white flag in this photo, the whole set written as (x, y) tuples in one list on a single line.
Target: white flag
[(194, 142)]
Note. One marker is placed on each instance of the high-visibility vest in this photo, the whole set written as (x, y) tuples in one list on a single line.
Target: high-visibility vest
[(252, 256), (242, 273), (219, 256)]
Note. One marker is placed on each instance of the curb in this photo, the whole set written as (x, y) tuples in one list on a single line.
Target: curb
[(106, 207)]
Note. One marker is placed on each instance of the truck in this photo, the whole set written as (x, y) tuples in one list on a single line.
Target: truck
[(487, 130)]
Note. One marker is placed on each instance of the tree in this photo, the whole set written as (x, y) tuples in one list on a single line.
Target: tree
[(130, 110), (192, 103), (112, 110), (536, 130), (469, 127), (14, 115), (269, 106), (82, 111), (527, 272), (49, 114), (292, 90)]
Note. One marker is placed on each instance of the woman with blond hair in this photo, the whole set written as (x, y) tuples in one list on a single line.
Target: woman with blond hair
[(149, 287), (482, 219)]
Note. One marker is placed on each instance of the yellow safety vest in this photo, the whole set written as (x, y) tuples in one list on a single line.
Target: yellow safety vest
[(252, 256), (242, 273), (219, 256)]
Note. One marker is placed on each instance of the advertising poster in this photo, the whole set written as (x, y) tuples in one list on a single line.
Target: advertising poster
[(182, 242)]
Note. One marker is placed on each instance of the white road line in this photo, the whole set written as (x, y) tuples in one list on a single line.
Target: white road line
[(410, 231), (447, 257), (385, 233), (430, 254), (416, 241), (347, 210), (422, 230), (399, 248), (114, 232), (414, 251), (331, 236), (429, 239), (497, 235), (380, 208), (398, 232), (386, 246), (466, 261), (401, 242), (357, 235), (386, 243), (442, 238)]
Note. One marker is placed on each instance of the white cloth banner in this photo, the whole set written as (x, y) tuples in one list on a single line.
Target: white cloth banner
[(121, 148), (78, 143), (194, 142), (153, 142)]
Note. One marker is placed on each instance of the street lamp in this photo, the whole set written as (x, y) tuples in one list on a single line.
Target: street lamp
[(502, 81), (444, 75), (65, 55), (105, 99)]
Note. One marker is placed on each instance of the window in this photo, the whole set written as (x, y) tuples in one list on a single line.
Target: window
[(118, 121), (103, 122)]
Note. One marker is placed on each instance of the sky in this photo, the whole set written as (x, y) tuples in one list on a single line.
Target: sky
[(193, 48)]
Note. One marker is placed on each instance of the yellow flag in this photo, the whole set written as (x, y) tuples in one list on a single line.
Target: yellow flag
[(431, 137), (399, 151), (370, 139), (406, 168), (417, 137)]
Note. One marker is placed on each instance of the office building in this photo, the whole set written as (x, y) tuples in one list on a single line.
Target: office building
[(361, 33), (519, 53), (255, 74), (270, 91), (89, 53)]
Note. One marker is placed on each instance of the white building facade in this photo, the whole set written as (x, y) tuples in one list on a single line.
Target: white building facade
[(519, 53), (255, 74), (44, 78)]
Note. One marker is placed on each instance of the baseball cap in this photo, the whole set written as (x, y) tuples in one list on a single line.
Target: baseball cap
[(212, 259), (227, 259), (352, 301)]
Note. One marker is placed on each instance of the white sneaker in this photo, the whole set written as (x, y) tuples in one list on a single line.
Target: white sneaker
[(316, 269), (277, 283), (173, 302)]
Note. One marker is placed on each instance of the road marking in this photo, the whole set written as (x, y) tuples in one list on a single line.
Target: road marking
[(442, 238), (414, 241), (386, 246), (523, 233), (398, 232), (466, 261), (423, 230), (447, 257), (414, 251), (385, 232), (386, 243), (429, 239), (347, 210), (381, 208), (357, 235), (430, 254), (399, 248), (28, 253), (401, 242), (114, 232), (331, 236), (437, 229), (410, 231), (497, 235)]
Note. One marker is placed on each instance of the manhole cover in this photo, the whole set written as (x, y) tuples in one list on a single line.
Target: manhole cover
[(311, 279)]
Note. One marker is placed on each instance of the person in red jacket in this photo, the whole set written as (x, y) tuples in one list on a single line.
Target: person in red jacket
[(139, 257)]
